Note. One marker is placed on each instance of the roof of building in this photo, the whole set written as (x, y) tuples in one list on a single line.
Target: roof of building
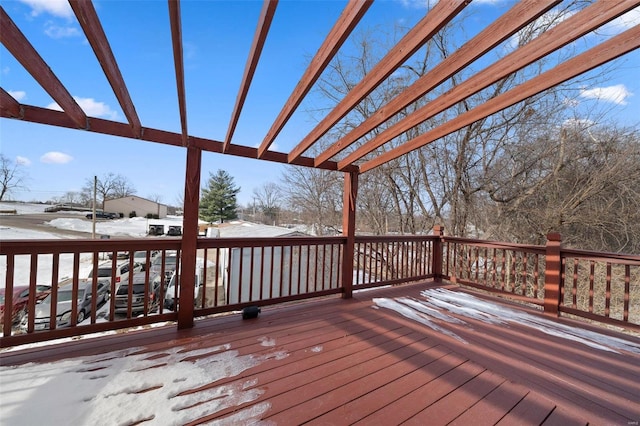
[(241, 229)]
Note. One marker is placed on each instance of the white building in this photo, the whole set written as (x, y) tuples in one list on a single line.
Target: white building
[(241, 268), (133, 203)]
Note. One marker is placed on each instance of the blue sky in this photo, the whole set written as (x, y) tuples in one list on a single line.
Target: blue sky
[(217, 36)]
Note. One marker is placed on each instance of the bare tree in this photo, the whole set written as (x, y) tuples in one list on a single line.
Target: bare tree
[(110, 185), (70, 197), (316, 195), (587, 190), (11, 176), (155, 197), (269, 199)]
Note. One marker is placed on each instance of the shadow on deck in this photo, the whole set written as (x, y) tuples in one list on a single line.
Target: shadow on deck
[(388, 356)]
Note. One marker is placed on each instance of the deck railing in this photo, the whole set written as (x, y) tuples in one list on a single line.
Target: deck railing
[(603, 287), (389, 260), (234, 273), (513, 270)]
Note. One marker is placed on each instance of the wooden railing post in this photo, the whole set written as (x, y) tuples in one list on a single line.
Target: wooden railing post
[(349, 230), (436, 266), (189, 238), (552, 275)]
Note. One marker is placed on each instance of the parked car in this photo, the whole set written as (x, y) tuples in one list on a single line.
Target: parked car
[(122, 271), (140, 257), (170, 294), (138, 294), (65, 300), (20, 301), (156, 230), (103, 215), (119, 255), (174, 231), (171, 260)]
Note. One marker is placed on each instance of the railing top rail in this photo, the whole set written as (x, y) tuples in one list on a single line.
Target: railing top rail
[(632, 259), (499, 245), (17, 247), (382, 238), (267, 241)]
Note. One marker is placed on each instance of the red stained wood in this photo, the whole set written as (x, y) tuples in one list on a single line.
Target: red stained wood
[(436, 18), (349, 363)]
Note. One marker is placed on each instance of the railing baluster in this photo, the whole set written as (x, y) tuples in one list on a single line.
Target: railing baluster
[(591, 284), (8, 296), (251, 289), (574, 290), (536, 275), (607, 299), (627, 287), (216, 279)]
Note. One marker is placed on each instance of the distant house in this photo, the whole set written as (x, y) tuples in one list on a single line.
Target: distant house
[(133, 203)]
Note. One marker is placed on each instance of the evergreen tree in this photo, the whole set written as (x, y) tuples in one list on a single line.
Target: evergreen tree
[(218, 201)]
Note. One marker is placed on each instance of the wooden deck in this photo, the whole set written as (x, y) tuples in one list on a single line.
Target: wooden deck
[(335, 361)]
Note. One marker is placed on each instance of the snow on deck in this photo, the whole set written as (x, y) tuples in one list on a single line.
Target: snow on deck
[(131, 386), (431, 311)]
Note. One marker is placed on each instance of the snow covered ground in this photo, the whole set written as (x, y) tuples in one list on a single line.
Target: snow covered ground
[(130, 227)]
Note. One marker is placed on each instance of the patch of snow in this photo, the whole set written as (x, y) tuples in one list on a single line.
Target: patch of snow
[(130, 386), (24, 208), (265, 341), (317, 349), (132, 227), (466, 305), (410, 313)]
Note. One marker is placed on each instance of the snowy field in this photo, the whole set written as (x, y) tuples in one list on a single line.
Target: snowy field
[(130, 227)]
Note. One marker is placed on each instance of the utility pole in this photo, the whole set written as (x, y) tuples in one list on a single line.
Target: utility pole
[(93, 217)]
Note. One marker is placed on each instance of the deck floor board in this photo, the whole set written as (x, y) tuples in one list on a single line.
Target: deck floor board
[(337, 362)]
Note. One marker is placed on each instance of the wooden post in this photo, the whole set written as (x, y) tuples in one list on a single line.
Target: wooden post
[(436, 266), (552, 275), (189, 238), (349, 230)]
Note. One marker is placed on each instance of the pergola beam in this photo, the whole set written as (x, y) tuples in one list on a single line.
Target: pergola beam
[(90, 23), (16, 43), (592, 58), (178, 64), (442, 13), (9, 105), (34, 114), (504, 27), (562, 34), (351, 15), (264, 23)]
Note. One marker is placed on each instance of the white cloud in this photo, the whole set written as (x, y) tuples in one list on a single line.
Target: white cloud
[(23, 161), (18, 95), (626, 21), (56, 31), (55, 157), (273, 147), (91, 107), (58, 8), (617, 94), (488, 2), (421, 4)]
